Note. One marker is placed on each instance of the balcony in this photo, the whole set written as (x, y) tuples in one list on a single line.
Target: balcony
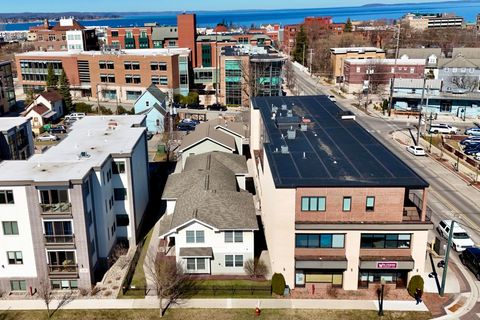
[(60, 271), (62, 208), (59, 240)]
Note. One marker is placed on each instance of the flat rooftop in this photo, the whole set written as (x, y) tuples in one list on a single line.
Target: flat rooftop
[(122, 52), (332, 152), (356, 49), (386, 61), (7, 123), (97, 136)]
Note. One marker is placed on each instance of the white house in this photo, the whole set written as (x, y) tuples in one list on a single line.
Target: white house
[(45, 108), (209, 225)]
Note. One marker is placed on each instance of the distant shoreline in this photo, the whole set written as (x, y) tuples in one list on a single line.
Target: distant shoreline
[(40, 21)]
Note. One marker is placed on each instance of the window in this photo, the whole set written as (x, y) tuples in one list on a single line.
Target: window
[(131, 65), (10, 228), (15, 257), (114, 34), (61, 258), (120, 194), (54, 196), (64, 284), (313, 203), (108, 78), (370, 203), (197, 236), (319, 240), (92, 246), (118, 167), (195, 264), (18, 285), (412, 70), (233, 260), (347, 204), (385, 241), (6, 197), (234, 236), (162, 66), (133, 79)]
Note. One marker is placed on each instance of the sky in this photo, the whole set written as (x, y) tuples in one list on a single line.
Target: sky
[(174, 5)]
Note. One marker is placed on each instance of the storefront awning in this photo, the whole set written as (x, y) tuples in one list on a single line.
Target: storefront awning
[(387, 263), (200, 252), (316, 262)]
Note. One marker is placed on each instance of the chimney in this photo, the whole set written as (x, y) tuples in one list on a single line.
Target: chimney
[(46, 25)]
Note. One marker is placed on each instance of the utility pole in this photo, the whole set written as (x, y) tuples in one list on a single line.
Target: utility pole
[(303, 59), (216, 69), (392, 82), (447, 255), (311, 59), (369, 71), (420, 113)]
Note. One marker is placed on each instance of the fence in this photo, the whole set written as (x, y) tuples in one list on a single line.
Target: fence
[(131, 269), (233, 290)]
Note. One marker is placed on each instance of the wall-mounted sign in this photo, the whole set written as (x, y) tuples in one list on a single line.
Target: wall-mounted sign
[(387, 265)]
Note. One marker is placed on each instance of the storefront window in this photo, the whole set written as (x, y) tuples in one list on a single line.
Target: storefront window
[(399, 278)]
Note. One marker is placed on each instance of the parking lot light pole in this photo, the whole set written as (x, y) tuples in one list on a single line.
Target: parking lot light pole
[(447, 255)]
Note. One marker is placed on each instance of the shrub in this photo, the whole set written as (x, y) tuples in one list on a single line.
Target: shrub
[(84, 292), (278, 283), (122, 110), (104, 110), (415, 282), (94, 291), (255, 268), (83, 107)]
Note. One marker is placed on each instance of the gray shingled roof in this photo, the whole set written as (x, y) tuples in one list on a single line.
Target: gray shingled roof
[(469, 53), (459, 62), (417, 83), (196, 252), (205, 131), (207, 161), (236, 127), (420, 53), (157, 93)]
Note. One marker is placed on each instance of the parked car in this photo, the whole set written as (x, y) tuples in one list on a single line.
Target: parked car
[(47, 137), (460, 240), (183, 126), (473, 132), (217, 107), (58, 129), (196, 106), (470, 140), (332, 98), (471, 150), (416, 150), (470, 258), (442, 128)]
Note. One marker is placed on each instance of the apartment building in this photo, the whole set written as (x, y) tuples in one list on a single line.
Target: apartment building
[(358, 75), (7, 89), (423, 21), (65, 209), (338, 207), (338, 56), (56, 38), (108, 75), (16, 139)]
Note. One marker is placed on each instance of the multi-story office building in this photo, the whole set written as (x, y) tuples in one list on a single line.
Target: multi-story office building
[(338, 207), (64, 210), (54, 38), (108, 75), (7, 89), (338, 56), (423, 21), (16, 141)]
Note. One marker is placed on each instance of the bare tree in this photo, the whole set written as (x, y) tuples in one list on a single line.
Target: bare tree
[(46, 293), (255, 268), (289, 75), (465, 82), (169, 280)]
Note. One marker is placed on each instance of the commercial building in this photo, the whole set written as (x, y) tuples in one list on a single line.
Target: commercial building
[(64, 210), (338, 207), (377, 73), (16, 139), (7, 89), (423, 21), (68, 34), (338, 56), (108, 75)]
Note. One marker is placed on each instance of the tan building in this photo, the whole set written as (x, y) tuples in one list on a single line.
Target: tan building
[(108, 75), (337, 207), (338, 55)]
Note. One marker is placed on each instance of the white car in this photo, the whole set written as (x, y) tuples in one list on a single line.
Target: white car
[(460, 240), (47, 137), (416, 150), (332, 98), (443, 128)]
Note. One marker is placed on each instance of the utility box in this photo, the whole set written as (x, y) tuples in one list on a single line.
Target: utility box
[(440, 246)]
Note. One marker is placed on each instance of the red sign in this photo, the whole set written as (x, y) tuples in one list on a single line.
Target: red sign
[(387, 265)]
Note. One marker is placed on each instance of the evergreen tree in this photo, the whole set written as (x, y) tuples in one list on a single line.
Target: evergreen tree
[(64, 90), (348, 26), (301, 46), (51, 77)]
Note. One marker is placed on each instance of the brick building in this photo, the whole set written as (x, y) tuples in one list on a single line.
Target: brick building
[(377, 73), (54, 38), (313, 25), (108, 75), (338, 56)]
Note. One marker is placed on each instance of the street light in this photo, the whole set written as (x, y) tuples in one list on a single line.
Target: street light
[(380, 293)]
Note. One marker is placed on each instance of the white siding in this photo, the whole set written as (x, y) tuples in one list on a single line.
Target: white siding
[(203, 147)]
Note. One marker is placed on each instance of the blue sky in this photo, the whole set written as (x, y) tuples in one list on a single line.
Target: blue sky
[(174, 5)]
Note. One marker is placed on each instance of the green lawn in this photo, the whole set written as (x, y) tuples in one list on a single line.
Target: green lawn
[(138, 279), (232, 289), (213, 314)]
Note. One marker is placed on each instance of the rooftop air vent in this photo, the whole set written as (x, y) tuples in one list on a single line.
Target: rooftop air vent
[(289, 113), (347, 115), (274, 108), (303, 127), (291, 133), (284, 107), (84, 155), (284, 149)]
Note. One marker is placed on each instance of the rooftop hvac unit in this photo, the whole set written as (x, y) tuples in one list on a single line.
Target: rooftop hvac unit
[(284, 149), (291, 133)]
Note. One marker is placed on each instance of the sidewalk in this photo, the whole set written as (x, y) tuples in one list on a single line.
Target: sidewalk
[(152, 303)]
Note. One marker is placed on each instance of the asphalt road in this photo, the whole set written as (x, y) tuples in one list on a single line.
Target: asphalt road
[(449, 195)]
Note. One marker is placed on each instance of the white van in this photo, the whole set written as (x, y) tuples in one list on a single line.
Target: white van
[(442, 128)]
